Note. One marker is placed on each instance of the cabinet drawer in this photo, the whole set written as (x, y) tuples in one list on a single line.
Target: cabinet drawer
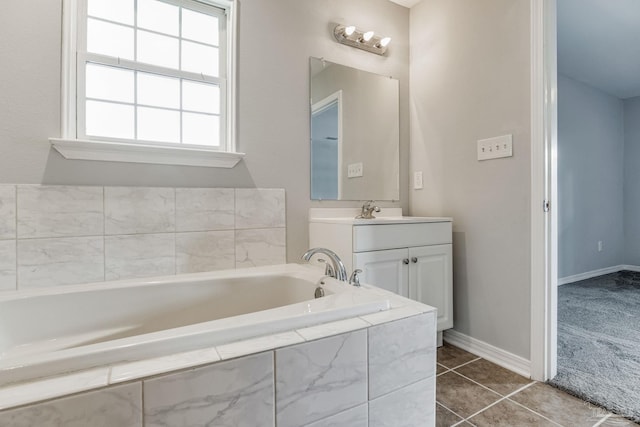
[(389, 236)]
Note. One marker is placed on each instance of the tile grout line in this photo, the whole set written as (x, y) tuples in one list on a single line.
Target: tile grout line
[(453, 412), (603, 420), (535, 412), (497, 401), (487, 388), (461, 365)]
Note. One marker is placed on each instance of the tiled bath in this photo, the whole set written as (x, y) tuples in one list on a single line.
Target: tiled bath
[(58, 235), (368, 375)]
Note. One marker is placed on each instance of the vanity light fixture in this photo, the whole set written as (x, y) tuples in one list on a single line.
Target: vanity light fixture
[(365, 40)]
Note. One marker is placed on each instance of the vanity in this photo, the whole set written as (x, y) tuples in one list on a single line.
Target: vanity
[(411, 256)]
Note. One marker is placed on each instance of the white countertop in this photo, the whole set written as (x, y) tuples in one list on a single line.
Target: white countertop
[(382, 220), (385, 216)]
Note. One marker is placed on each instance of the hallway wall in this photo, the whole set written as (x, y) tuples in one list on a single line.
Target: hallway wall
[(591, 152), (632, 181)]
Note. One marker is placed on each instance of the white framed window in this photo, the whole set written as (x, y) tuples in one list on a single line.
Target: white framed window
[(149, 81)]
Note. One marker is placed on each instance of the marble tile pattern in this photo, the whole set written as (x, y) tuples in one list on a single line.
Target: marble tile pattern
[(205, 251), (139, 255), (320, 378), (53, 387), (60, 261), (269, 342), (136, 210), (59, 211), (260, 208), (205, 209), (401, 353), (410, 406), (255, 248), (137, 231), (7, 265), (320, 383), (233, 393), (354, 417), (7, 212), (115, 406)]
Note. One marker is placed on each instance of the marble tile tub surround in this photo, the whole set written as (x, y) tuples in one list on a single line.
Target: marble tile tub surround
[(321, 382), (62, 235)]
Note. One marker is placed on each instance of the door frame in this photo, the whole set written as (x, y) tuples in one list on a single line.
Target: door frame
[(544, 233), (320, 106)]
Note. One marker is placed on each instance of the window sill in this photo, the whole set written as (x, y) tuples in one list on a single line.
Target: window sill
[(143, 153)]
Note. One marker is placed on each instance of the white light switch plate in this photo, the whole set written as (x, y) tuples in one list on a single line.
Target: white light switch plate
[(494, 148), (354, 170)]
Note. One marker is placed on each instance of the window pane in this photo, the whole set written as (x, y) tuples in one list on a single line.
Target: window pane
[(158, 16), (199, 27), (113, 10), (110, 83), (200, 129), (200, 97), (158, 125), (157, 50), (199, 59), (110, 120), (109, 39), (158, 91)]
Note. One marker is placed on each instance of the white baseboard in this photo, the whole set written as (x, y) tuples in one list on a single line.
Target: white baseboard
[(507, 360), (596, 273)]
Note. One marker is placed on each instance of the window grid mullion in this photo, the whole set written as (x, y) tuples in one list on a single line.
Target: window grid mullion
[(180, 68), (135, 72)]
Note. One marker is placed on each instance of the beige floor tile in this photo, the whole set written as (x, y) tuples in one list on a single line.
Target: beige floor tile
[(445, 418), (461, 395), (493, 376), (558, 406), (452, 357), (509, 414)]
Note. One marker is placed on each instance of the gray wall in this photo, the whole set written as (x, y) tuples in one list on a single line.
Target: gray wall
[(276, 39), (632, 181), (470, 79), (591, 152)]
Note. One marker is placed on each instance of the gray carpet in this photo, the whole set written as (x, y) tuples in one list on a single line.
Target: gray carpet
[(599, 341)]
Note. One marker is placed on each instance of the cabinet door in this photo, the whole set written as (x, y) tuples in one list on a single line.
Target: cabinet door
[(385, 269), (431, 280)]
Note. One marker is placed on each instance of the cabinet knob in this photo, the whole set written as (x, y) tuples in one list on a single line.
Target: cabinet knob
[(405, 261), (414, 260)]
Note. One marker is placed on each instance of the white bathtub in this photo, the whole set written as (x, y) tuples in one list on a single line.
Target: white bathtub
[(53, 331)]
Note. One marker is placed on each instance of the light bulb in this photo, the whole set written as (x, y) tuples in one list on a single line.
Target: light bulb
[(385, 41), (367, 36), (349, 30)]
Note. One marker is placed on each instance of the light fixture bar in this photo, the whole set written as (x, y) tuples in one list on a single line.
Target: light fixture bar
[(365, 40)]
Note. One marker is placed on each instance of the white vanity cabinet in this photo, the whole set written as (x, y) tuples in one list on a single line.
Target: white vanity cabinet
[(406, 255)]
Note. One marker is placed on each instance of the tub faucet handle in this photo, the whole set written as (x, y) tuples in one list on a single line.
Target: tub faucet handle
[(328, 268), (355, 279)]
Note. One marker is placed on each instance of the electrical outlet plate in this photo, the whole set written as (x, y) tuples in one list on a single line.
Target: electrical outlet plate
[(417, 180), (494, 148), (355, 170)]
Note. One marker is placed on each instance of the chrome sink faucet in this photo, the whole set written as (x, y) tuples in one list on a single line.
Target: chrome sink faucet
[(367, 210), (337, 270)]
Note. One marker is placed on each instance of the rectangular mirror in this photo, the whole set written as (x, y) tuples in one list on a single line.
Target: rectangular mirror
[(355, 133)]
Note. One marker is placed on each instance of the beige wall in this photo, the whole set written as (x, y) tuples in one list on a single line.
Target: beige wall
[(276, 38), (470, 73)]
